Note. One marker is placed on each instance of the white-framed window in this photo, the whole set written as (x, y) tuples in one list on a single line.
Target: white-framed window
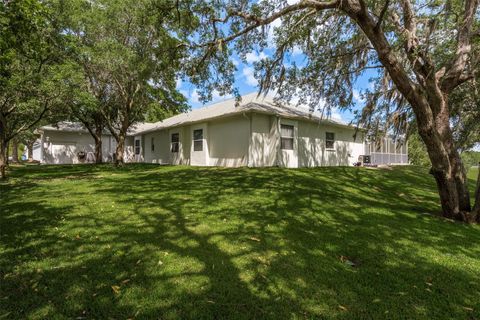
[(153, 144), (329, 140), (175, 141), (286, 136), (137, 147), (198, 140)]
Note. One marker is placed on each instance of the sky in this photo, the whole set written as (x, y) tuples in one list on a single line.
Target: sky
[(246, 83)]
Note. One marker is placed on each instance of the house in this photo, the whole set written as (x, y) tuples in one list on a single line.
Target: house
[(256, 133)]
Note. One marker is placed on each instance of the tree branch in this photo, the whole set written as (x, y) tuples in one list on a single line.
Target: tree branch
[(382, 15), (258, 21), (453, 75)]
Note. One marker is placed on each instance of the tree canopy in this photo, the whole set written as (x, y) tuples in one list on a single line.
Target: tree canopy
[(422, 51)]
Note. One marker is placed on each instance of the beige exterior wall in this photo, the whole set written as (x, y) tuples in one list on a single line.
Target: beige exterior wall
[(264, 146), (251, 139), (311, 145), (228, 141), (225, 143)]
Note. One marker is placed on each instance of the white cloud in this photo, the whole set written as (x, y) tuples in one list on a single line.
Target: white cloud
[(273, 25), (357, 96), (296, 50), (216, 96), (336, 115), (195, 97), (248, 73), (252, 57), (235, 62), (178, 84)]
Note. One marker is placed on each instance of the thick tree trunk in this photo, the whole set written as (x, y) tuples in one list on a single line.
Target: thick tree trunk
[(98, 145), (461, 180), (119, 152), (14, 151)]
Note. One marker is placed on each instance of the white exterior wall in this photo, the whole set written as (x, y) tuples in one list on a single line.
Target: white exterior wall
[(60, 147)]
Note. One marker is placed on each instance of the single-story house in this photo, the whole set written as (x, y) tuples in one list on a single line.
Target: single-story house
[(257, 132)]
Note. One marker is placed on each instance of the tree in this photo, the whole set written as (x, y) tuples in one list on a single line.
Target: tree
[(29, 72), (422, 52), (28, 138), (130, 56)]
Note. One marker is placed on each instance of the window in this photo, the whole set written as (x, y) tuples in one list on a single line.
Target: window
[(137, 147), (286, 134), (175, 142), (153, 144), (198, 140), (329, 140)]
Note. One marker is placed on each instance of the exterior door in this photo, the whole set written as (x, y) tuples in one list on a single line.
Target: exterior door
[(199, 148)]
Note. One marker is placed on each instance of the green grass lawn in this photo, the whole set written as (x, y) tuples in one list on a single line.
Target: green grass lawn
[(96, 242)]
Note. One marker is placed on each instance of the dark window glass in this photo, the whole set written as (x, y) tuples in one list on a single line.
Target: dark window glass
[(175, 145), (153, 144), (137, 147), (329, 140), (198, 140), (198, 134), (286, 140)]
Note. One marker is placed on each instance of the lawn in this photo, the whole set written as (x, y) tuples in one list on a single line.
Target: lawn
[(140, 242)]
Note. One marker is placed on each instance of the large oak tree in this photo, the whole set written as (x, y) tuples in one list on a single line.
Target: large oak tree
[(130, 58), (422, 52)]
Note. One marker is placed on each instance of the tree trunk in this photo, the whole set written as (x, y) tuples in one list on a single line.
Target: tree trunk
[(119, 152), (30, 150), (98, 145), (14, 151), (3, 158), (432, 114), (7, 153), (461, 180)]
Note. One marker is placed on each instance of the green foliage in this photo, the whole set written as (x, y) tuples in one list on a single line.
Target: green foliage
[(178, 242), (470, 159), (417, 152), (129, 56), (32, 73), (337, 53)]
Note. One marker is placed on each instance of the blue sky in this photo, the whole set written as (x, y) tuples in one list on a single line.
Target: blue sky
[(246, 83)]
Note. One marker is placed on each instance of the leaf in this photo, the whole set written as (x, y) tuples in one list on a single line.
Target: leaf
[(116, 289), (342, 308)]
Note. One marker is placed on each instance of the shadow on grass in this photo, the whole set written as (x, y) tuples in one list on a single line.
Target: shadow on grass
[(179, 242)]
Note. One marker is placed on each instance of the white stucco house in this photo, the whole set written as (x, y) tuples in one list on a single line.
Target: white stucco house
[(256, 133)]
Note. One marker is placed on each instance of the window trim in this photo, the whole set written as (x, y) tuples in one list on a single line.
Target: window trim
[(197, 140), (137, 147), (329, 140), (176, 143), (283, 138)]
